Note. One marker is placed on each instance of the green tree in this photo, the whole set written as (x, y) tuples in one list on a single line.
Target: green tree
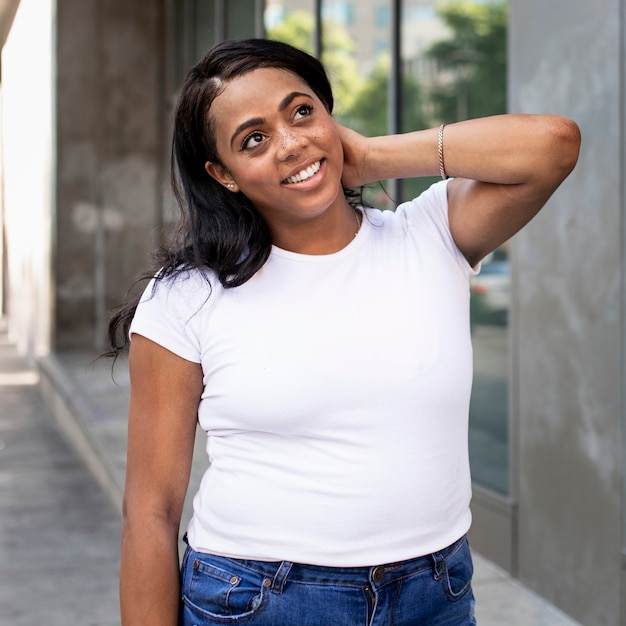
[(369, 113), (472, 63), (338, 56), (297, 29)]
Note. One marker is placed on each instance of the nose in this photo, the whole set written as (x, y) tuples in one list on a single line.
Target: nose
[(290, 143)]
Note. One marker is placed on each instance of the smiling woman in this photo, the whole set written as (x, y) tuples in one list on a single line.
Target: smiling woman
[(282, 150), (337, 486)]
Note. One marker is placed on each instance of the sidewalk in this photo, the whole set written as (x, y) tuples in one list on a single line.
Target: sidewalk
[(59, 534)]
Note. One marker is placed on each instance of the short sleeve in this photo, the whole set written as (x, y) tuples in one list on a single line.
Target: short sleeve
[(170, 313), (429, 212)]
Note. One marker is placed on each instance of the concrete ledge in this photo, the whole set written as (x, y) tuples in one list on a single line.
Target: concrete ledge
[(61, 394), (494, 527)]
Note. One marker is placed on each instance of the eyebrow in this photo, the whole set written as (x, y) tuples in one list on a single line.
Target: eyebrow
[(258, 121)]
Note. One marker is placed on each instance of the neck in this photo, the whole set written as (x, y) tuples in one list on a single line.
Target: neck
[(325, 234)]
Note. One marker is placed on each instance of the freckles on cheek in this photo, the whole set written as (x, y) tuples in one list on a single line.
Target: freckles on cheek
[(322, 135)]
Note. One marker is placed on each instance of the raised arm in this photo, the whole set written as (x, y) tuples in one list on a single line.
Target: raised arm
[(505, 168), (165, 392)]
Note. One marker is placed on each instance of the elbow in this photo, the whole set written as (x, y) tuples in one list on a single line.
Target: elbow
[(565, 140), (159, 515)]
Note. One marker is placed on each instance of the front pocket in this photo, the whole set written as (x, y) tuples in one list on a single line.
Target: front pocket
[(220, 594)]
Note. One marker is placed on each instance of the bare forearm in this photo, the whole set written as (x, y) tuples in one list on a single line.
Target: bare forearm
[(149, 575), (506, 149)]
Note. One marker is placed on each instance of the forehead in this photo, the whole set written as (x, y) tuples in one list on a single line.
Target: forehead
[(255, 94)]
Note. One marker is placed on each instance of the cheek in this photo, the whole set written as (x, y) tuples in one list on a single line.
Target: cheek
[(335, 146), (327, 137), (254, 171)]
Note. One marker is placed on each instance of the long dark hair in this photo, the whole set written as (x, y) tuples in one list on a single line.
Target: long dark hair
[(217, 229)]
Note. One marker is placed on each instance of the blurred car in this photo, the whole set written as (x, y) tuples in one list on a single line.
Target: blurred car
[(490, 295)]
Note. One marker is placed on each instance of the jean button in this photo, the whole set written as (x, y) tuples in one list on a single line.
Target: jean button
[(378, 574)]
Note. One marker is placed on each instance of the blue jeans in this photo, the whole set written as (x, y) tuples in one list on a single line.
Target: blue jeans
[(433, 590)]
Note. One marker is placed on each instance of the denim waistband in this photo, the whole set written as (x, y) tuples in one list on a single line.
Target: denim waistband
[(279, 571)]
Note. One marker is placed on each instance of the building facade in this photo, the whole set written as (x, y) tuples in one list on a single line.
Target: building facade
[(87, 93)]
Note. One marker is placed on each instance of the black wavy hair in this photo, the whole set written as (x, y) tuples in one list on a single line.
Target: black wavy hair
[(217, 229)]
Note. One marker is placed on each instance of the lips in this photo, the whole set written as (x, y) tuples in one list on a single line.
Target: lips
[(304, 174)]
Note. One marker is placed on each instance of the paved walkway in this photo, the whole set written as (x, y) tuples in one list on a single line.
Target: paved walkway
[(59, 523), (59, 533)]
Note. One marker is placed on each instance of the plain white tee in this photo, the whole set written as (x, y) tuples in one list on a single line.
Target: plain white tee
[(336, 395)]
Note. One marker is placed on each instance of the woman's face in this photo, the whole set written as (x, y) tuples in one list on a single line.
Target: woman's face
[(279, 146)]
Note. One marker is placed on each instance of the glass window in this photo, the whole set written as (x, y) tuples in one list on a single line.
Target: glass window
[(341, 12), (421, 12), (291, 21), (382, 17), (454, 68), (202, 23), (240, 18), (204, 32), (422, 27), (489, 425), (381, 45), (274, 15), (194, 33), (356, 55)]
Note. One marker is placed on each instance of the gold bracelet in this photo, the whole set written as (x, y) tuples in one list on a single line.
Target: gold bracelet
[(442, 168)]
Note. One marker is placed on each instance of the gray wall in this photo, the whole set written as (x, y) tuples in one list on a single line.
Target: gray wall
[(566, 57), (110, 115)]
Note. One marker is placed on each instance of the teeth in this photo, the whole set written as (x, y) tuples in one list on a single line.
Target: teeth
[(304, 174)]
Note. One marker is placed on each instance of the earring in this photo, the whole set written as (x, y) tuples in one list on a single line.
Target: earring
[(230, 185)]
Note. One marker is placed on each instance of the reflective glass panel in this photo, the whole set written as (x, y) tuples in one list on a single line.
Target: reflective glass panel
[(204, 35), (489, 424), (291, 21), (240, 16), (454, 68), (356, 52), (422, 28), (202, 23)]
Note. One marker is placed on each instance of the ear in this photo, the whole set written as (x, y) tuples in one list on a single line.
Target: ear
[(221, 175)]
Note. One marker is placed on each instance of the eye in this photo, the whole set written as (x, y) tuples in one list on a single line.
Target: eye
[(252, 140), (303, 110)]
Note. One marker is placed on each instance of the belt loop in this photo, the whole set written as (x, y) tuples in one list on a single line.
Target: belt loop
[(281, 577), (439, 564)]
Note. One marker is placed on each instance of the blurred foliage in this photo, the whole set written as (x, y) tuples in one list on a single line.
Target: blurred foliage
[(338, 58), (368, 114), (472, 62), (471, 68), (469, 80), (296, 29)]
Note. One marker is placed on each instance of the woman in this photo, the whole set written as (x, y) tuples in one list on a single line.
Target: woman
[(323, 347)]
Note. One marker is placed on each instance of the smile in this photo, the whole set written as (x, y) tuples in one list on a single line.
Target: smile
[(304, 174)]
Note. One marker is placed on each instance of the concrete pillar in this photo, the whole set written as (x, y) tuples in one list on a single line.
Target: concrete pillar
[(566, 56), (110, 132)]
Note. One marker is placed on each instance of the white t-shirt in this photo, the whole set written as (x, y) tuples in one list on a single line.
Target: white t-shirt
[(336, 395)]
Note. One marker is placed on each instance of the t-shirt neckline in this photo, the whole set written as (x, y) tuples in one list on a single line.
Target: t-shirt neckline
[(333, 256)]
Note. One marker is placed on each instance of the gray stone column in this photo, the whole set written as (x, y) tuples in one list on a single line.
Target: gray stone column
[(566, 58), (110, 126)]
